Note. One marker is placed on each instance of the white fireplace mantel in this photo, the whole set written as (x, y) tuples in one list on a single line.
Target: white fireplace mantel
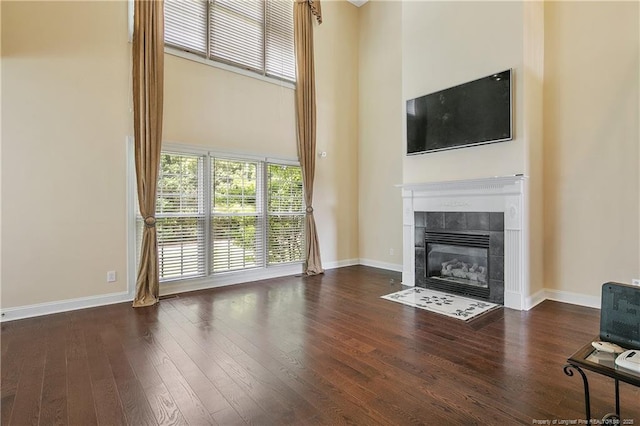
[(507, 194)]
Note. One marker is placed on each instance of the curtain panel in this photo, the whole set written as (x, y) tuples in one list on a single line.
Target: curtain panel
[(148, 80), (303, 13)]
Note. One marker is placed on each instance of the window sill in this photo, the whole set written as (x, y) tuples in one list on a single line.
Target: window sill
[(229, 278), (195, 58)]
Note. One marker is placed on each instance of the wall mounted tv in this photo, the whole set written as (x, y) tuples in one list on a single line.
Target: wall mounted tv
[(474, 113)]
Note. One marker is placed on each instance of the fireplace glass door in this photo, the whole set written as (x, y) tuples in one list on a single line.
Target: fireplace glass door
[(458, 262), (455, 264)]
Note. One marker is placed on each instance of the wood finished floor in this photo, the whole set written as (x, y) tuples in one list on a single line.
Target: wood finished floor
[(315, 350)]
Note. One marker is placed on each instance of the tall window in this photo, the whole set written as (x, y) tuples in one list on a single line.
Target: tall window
[(180, 216), (285, 214), (252, 34), (236, 230), (217, 215)]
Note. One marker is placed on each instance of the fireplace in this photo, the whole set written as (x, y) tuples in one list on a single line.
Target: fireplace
[(495, 206), (461, 252), (458, 263)]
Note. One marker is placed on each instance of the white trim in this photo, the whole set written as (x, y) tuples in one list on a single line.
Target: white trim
[(181, 148), (199, 59), (130, 18), (535, 299), (231, 278), (132, 209), (39, 309), (237, 156), (573, 298), (282, 161), (357, 3), (29, 311), (396, 267), (341, 263)]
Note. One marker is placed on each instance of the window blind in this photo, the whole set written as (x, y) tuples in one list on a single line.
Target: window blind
[(185, 25), (236, 225), (285, 214), (237, 32), (180, 217), (279, 51), (217, 215), (251, 34)]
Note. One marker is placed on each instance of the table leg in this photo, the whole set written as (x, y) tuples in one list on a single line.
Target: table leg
[(617, 398), (568, 370)]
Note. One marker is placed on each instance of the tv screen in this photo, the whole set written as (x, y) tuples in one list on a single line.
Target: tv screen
[(473, 113)]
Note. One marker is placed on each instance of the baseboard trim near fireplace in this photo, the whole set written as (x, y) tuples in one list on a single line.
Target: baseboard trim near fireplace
[(562, 296), (381, 265), (573, 298)]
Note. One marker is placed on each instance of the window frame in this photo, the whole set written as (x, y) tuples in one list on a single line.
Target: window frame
[(210, 279)]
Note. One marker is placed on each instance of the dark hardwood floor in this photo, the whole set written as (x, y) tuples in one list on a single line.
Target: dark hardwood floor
[(315, 350)]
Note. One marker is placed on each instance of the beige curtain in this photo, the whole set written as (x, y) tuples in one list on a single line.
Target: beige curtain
[(148, 79), (303, 13)]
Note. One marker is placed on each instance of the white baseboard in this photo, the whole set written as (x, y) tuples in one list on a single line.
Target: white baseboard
[(535, 299), (39, 309), (28, 311), (382, 265), (573, 298), (340, 263)]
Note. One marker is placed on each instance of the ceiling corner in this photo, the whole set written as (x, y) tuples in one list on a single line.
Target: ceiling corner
[(357, 3)]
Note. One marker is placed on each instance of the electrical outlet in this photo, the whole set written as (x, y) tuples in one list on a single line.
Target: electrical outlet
[(635, 281), (391, 252), (111, 276)]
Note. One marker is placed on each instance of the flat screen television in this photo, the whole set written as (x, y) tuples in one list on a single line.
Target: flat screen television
[(474, 113)]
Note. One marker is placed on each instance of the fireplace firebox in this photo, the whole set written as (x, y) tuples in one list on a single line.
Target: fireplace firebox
[(458, 262), (461, 253)]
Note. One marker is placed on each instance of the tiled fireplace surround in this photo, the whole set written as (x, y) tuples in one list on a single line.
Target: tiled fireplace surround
[(453, 201), (487, 223)]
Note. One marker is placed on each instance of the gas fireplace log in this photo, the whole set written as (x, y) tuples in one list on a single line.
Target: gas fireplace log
[(458, 269)]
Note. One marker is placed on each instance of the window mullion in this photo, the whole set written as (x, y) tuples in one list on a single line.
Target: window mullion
[(265, 212), (206, 189), (208, 26), (264, 38)]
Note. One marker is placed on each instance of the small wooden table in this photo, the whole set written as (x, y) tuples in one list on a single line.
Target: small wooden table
[(587, 358)]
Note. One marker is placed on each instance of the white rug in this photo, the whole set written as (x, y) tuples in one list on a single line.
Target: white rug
[(450, 305)]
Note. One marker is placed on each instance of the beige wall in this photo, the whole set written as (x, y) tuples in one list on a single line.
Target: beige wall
[(448, 43), (532, 134), (65, 106), (215, 108), (591, 144), (66, 115), (381, 143), (336, 190), (211, 107)]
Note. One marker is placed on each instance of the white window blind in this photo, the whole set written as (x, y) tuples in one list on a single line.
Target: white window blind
[(251, 34), (236, 225), (285, 214), (180, 217), (219, 215), (185, 25), (279, 52)]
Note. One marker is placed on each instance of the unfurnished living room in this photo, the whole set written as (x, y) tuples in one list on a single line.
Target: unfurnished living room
[(320, 212)]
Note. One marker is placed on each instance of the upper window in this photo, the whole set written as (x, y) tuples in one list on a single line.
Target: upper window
[(252, 34)]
